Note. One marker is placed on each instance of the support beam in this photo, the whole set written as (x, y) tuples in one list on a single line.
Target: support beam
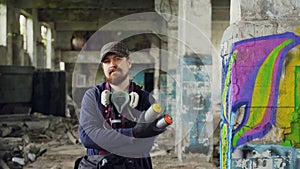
[(122, 26), (76, 26), (80, 57), (78, 15), (220, 14), (93, 57)]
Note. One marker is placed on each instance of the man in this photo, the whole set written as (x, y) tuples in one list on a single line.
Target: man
[(110, 125)]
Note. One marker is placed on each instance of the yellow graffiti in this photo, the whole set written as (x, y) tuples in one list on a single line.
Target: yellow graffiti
[(287, 90)]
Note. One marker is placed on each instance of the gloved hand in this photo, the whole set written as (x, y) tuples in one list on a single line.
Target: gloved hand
[(146, 129)]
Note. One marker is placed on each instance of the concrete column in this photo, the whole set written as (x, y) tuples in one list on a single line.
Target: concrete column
[(155, 53), (254, 20), (36, 36), (11, 31), (17, 38), (3, 34), (250, 19), (189, 34), (18, 51), (55, 56), (194, 34), (198, 14), (170, 60)]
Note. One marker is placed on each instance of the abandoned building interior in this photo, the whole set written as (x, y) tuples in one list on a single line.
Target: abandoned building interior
[(226, 71)]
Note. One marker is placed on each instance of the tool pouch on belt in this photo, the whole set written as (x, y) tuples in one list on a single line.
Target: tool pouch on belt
[(109, 161)]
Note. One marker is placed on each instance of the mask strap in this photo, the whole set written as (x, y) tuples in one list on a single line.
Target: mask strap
[(134, 99)]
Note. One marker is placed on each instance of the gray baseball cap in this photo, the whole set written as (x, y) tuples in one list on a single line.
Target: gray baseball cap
[(115, 47)]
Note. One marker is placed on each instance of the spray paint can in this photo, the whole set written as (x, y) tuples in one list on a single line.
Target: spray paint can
[(164, 121), (153, 112)]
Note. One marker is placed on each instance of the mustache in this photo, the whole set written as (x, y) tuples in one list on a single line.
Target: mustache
[(113, 70)]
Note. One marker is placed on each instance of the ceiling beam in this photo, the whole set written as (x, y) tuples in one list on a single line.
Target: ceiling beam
[(80, 56), (76, 26), (69, 15), (149, 26), (93, 57), (220, 13), (75, 4), (61, 15)]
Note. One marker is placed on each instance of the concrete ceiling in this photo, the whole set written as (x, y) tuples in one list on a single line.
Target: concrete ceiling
[(77, 14)]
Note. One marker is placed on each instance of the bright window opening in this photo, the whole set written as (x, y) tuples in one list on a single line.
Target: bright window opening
[(30, 38), (46, 40), (26, 30), (23, 30), (3, 23)]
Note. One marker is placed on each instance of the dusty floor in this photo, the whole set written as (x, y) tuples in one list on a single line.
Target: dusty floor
[(63, 157), (60, 156)]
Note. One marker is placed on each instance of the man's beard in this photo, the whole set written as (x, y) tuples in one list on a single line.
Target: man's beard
[(116, 81)]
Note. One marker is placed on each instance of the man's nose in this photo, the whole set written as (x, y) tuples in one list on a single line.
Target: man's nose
[(113, 62)]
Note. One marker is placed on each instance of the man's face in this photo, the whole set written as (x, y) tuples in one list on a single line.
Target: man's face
[(116, 68)]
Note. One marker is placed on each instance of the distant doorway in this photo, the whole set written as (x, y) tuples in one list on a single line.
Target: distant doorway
[(149, 81)]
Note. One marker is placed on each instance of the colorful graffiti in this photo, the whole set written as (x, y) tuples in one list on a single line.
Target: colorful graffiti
[(261, 93)]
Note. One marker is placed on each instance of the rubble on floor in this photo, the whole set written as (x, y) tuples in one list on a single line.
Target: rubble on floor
[(50, 142), (24, 138)]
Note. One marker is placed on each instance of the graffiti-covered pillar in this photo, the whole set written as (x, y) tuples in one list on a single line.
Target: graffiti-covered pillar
[(260, 85)]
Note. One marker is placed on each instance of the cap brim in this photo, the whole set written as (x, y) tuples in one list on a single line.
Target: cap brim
[(114, 52)]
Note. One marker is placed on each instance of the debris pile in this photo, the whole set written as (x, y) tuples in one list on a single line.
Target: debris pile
[(24, 138)]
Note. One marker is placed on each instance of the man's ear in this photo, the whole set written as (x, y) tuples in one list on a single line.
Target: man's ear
[(129, 60)]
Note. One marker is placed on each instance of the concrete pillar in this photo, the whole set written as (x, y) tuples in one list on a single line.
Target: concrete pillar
[(170, 60), (3, 20), (11, 31), (255, 21), (197, 13), (194, 34), (3, 34), (36, 36), (259, 18), (18, 51), (55, 56), (189, 34), (17, 38)]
